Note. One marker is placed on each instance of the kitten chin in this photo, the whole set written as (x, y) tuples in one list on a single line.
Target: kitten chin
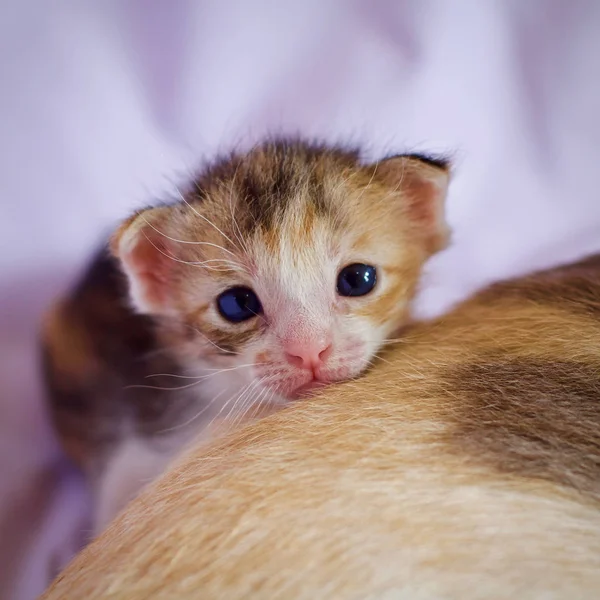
[(277, 271)]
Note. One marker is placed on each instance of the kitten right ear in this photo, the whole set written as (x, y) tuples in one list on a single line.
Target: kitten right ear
[(146, 257), (423, 183)]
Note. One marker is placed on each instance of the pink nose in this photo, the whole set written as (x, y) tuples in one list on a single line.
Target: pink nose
[(307, 354)]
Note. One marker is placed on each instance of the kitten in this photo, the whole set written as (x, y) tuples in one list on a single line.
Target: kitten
[(280, 270), (465, 465)]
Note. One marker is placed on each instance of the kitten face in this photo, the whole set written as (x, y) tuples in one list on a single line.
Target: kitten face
[(286, 267)]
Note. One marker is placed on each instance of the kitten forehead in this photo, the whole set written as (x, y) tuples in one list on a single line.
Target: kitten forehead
[(296, 269), (288, 184), (278, 182)]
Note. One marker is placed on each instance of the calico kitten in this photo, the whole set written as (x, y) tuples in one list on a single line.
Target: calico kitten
[(466, 465), (279, 270)]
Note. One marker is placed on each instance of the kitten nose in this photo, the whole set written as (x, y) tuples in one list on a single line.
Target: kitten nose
[(308, 354)]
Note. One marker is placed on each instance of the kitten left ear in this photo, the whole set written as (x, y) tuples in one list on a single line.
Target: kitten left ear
[(422, 182)]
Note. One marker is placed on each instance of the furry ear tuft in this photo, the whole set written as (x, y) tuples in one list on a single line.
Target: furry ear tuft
[(423, 182), (146, 257)]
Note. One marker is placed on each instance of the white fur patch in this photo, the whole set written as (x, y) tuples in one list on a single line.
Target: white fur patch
[(133, 464)]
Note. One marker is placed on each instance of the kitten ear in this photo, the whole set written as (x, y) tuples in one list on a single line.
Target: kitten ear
[(147, 259), (423, 182)]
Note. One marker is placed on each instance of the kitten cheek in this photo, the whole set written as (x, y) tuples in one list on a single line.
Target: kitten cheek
[(363, 355), (359, 347), (262, 357)]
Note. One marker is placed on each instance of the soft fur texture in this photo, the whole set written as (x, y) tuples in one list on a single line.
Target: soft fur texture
[(466, 464), (130, 384)]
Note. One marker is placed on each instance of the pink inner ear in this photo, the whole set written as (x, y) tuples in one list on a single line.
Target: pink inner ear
[(426, 201), (149, 267), (423, 202), (423, 188)]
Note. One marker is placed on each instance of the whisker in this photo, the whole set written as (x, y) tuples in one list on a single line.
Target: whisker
[(161, 388), (249, 389), (188, 262), (233, 398), (192, 419), (215, 372), (248, 401), (193, 243), (213, 343), (240, 393), (376, 356), (183, 199), (369, 182), (253, 403), (237, 232), (273, 391)]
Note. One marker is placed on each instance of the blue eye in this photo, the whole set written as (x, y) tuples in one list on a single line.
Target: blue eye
[(238, 304), (356, 280)]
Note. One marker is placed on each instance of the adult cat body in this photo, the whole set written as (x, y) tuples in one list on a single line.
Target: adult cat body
[(466, 464)]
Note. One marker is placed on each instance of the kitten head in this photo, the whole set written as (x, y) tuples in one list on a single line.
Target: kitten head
[(288, 266)]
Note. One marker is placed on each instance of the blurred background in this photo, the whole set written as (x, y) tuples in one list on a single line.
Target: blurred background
[(105, 106)]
